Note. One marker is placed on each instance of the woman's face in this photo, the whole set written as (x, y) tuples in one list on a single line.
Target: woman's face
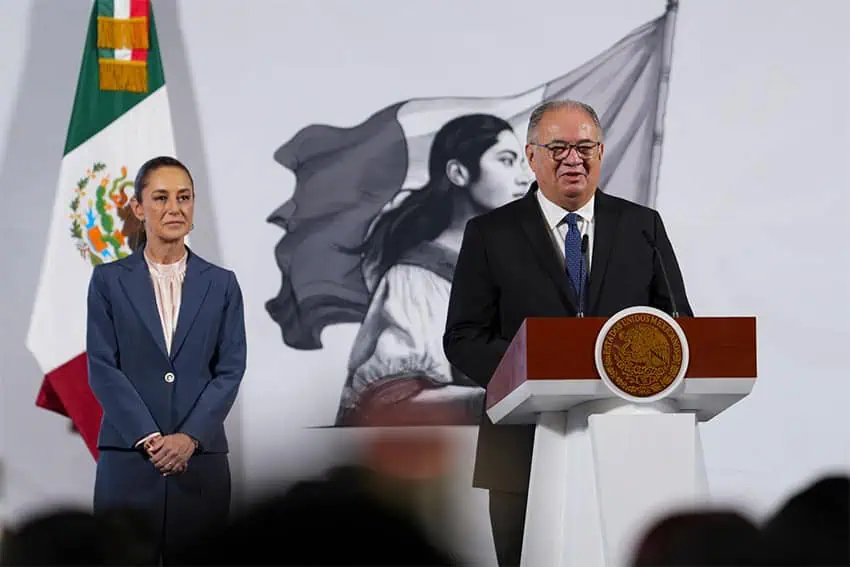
[(168, 204), (504, 173)]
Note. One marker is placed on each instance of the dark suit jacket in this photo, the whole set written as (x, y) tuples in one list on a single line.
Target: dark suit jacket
[(509, 269), (142, 389), (129, 365)]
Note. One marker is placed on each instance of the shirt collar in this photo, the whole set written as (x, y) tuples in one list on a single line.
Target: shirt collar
[(177, 267), (554, 214)]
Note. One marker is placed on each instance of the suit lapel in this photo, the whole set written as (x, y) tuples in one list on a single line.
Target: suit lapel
[(534, 226), (195, 287), (139, 290), (607, 216)]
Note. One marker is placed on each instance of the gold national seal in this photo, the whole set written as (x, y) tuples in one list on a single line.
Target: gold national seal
[(641, 354)]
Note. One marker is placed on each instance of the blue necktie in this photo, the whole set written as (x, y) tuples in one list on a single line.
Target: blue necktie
[(572, 252)]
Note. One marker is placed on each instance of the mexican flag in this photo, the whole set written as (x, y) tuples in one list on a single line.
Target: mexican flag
[(120, 119)]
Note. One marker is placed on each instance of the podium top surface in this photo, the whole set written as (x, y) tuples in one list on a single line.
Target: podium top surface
[(563, 349)]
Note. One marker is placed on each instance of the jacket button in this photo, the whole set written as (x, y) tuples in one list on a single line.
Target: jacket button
[(169, 377)]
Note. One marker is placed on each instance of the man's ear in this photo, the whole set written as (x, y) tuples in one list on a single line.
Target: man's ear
[(529, 152), (457, 173)]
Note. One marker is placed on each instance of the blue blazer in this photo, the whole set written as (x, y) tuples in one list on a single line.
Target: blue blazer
[(143, 389)]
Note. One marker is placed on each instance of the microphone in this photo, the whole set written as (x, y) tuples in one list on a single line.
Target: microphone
[(583, 270), (657, 254)]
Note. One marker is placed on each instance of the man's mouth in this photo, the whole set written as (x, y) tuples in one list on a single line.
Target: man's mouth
[(572, 174)]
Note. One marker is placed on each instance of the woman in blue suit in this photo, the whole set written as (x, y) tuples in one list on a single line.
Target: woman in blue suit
[(166, 354)]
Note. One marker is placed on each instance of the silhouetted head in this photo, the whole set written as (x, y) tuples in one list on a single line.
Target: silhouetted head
[(812, 527), (337, 520), (71, 537), (698, 538)]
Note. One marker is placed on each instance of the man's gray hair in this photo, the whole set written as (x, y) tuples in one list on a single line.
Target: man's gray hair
[(538, 113)]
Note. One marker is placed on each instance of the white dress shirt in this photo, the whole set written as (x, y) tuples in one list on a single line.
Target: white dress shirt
[(556, 222)]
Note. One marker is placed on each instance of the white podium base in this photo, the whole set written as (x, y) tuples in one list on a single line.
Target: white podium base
[(601, 473)]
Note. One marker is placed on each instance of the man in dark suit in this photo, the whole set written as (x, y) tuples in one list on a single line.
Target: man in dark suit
[(526, 259)]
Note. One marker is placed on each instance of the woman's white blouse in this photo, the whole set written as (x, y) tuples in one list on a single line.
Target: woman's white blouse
[(168, 289)]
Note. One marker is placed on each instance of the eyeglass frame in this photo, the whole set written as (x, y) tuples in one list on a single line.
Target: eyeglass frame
[(569, 148)]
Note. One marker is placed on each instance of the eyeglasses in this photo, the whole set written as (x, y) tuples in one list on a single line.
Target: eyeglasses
[(560, 150)]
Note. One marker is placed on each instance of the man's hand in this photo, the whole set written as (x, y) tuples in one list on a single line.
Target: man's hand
[(170, 454)]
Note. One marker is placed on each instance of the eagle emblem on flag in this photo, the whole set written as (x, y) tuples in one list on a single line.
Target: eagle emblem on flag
[(102, 223)]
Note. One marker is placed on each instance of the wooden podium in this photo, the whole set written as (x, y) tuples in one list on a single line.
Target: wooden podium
[(606, 464)]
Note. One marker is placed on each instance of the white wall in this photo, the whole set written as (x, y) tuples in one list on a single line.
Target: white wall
[(753, 188), (42, 461), (754, 191)]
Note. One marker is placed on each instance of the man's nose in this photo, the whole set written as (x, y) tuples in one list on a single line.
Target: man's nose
[(572, 157)]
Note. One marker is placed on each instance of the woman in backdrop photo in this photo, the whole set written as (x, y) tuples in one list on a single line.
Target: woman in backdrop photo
[(166, 354), (475, 164)]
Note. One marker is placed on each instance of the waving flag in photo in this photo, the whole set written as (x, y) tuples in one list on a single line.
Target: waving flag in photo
[(346, 176)]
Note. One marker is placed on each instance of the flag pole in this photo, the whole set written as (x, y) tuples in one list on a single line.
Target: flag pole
[(661, 106)]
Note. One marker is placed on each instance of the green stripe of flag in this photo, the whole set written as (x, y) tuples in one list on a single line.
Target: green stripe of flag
[(95, 109), (105, 8)]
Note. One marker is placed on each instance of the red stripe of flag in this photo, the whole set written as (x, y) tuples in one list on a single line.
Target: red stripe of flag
[(65, 390), (139, 9)]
